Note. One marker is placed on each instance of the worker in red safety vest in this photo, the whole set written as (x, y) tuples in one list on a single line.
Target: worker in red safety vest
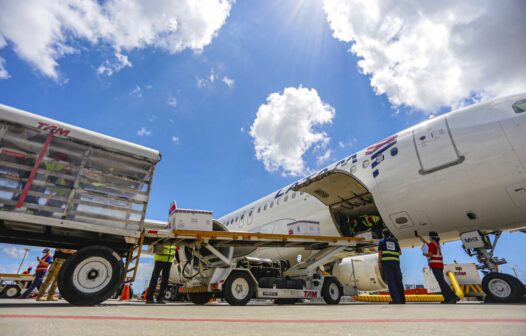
[(433, 252), (40, 272)]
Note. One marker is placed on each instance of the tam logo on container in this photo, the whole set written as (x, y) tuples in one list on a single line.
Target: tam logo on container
[(53, 129)]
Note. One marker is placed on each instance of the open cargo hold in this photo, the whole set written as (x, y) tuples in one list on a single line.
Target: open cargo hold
[(62, 175)]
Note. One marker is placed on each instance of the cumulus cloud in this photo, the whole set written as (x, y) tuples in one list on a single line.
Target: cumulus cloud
[(108, 68), (172, 101), (228, 81), (428, 54), (284, 130), (42, 32), (13, 252), (3, 72), (143, 131)]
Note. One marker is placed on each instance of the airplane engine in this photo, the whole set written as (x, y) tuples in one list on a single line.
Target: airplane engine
[(361, 272)]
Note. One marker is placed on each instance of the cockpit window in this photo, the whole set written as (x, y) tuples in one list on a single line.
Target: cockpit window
[(520, 106)]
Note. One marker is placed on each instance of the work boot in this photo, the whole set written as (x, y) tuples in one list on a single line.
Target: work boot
[(40, 298)]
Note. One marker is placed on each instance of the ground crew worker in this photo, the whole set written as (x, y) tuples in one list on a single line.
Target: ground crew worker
[(40, 272), (164, 258), (389, 263), (433, 252), (52, 278)]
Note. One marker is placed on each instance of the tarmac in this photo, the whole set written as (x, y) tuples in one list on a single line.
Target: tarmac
[(114, 318)]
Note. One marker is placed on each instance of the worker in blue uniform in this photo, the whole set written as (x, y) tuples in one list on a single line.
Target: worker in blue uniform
[(389, 263)]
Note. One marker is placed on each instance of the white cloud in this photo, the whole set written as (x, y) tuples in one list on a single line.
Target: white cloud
[(13, 252), (211, 78), (44, 31), (228, 81), (143, 131), (3, 72), (172, 101), (326, 156), (426, 54), (283, 130), (138, 91), (175, 140), (108, 68)]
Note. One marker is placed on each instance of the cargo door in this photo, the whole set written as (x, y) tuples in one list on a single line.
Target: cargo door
[(515, 129), (435, 147), (336, 187)]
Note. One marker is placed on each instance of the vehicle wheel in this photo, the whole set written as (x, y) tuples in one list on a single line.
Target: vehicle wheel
[(200, 298), (11, 291), (168, 295), (90, 276), (238, 289), (331, 291), (502, 288)]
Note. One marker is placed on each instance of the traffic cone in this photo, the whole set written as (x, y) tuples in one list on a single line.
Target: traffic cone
[(145, 294), (125, 294)]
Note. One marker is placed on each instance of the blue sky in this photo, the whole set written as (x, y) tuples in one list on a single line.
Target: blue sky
[(197, 104)]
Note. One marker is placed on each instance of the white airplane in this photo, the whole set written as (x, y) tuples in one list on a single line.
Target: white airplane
[(461, 174)]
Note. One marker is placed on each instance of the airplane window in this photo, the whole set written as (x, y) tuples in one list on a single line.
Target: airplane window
[(237, 219), (271, 204), (286, 198), (250, 213), (394, 151), (242, 216), (294, 195), (354, 169), (259, 209), (365, 164), (520, 106), (265, 207)]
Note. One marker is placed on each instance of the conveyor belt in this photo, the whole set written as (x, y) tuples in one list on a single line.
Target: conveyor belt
[(252, 239)]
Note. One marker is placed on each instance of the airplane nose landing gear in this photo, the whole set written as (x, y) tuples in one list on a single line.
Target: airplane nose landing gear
[(499, 287)]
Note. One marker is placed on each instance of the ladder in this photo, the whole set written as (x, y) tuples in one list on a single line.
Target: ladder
[(132, 260)]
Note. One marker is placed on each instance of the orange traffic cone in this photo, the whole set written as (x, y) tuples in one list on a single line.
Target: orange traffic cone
[(145, 294), (125, 294)]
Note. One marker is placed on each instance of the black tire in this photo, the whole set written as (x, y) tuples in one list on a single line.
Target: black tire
[(168, 295), (332, 291), (502, 288), (285, 301), (11, 291), (90, 276), (238, 289), (200, 298)]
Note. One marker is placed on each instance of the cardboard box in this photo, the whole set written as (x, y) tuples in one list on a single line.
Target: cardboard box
[(186, 219)]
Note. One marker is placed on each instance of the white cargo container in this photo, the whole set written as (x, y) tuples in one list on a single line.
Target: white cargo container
[(466, 274), (304, 228), (188, 219)]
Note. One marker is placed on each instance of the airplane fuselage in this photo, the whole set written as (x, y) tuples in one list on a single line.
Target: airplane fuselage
[(458, 172)]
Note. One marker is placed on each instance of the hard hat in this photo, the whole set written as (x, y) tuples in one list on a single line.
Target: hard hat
[(29, 268), (46, 250), (433, 235)]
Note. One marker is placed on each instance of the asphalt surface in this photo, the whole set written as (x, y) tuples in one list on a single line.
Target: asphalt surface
[(114, 318)]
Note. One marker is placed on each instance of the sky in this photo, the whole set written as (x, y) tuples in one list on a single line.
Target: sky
[(244, 97)]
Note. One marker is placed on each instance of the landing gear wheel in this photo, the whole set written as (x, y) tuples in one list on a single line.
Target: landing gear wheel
[(200, 298), (331, 291), (11, 291), (90, 276), (502, 288), (238, 289)]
